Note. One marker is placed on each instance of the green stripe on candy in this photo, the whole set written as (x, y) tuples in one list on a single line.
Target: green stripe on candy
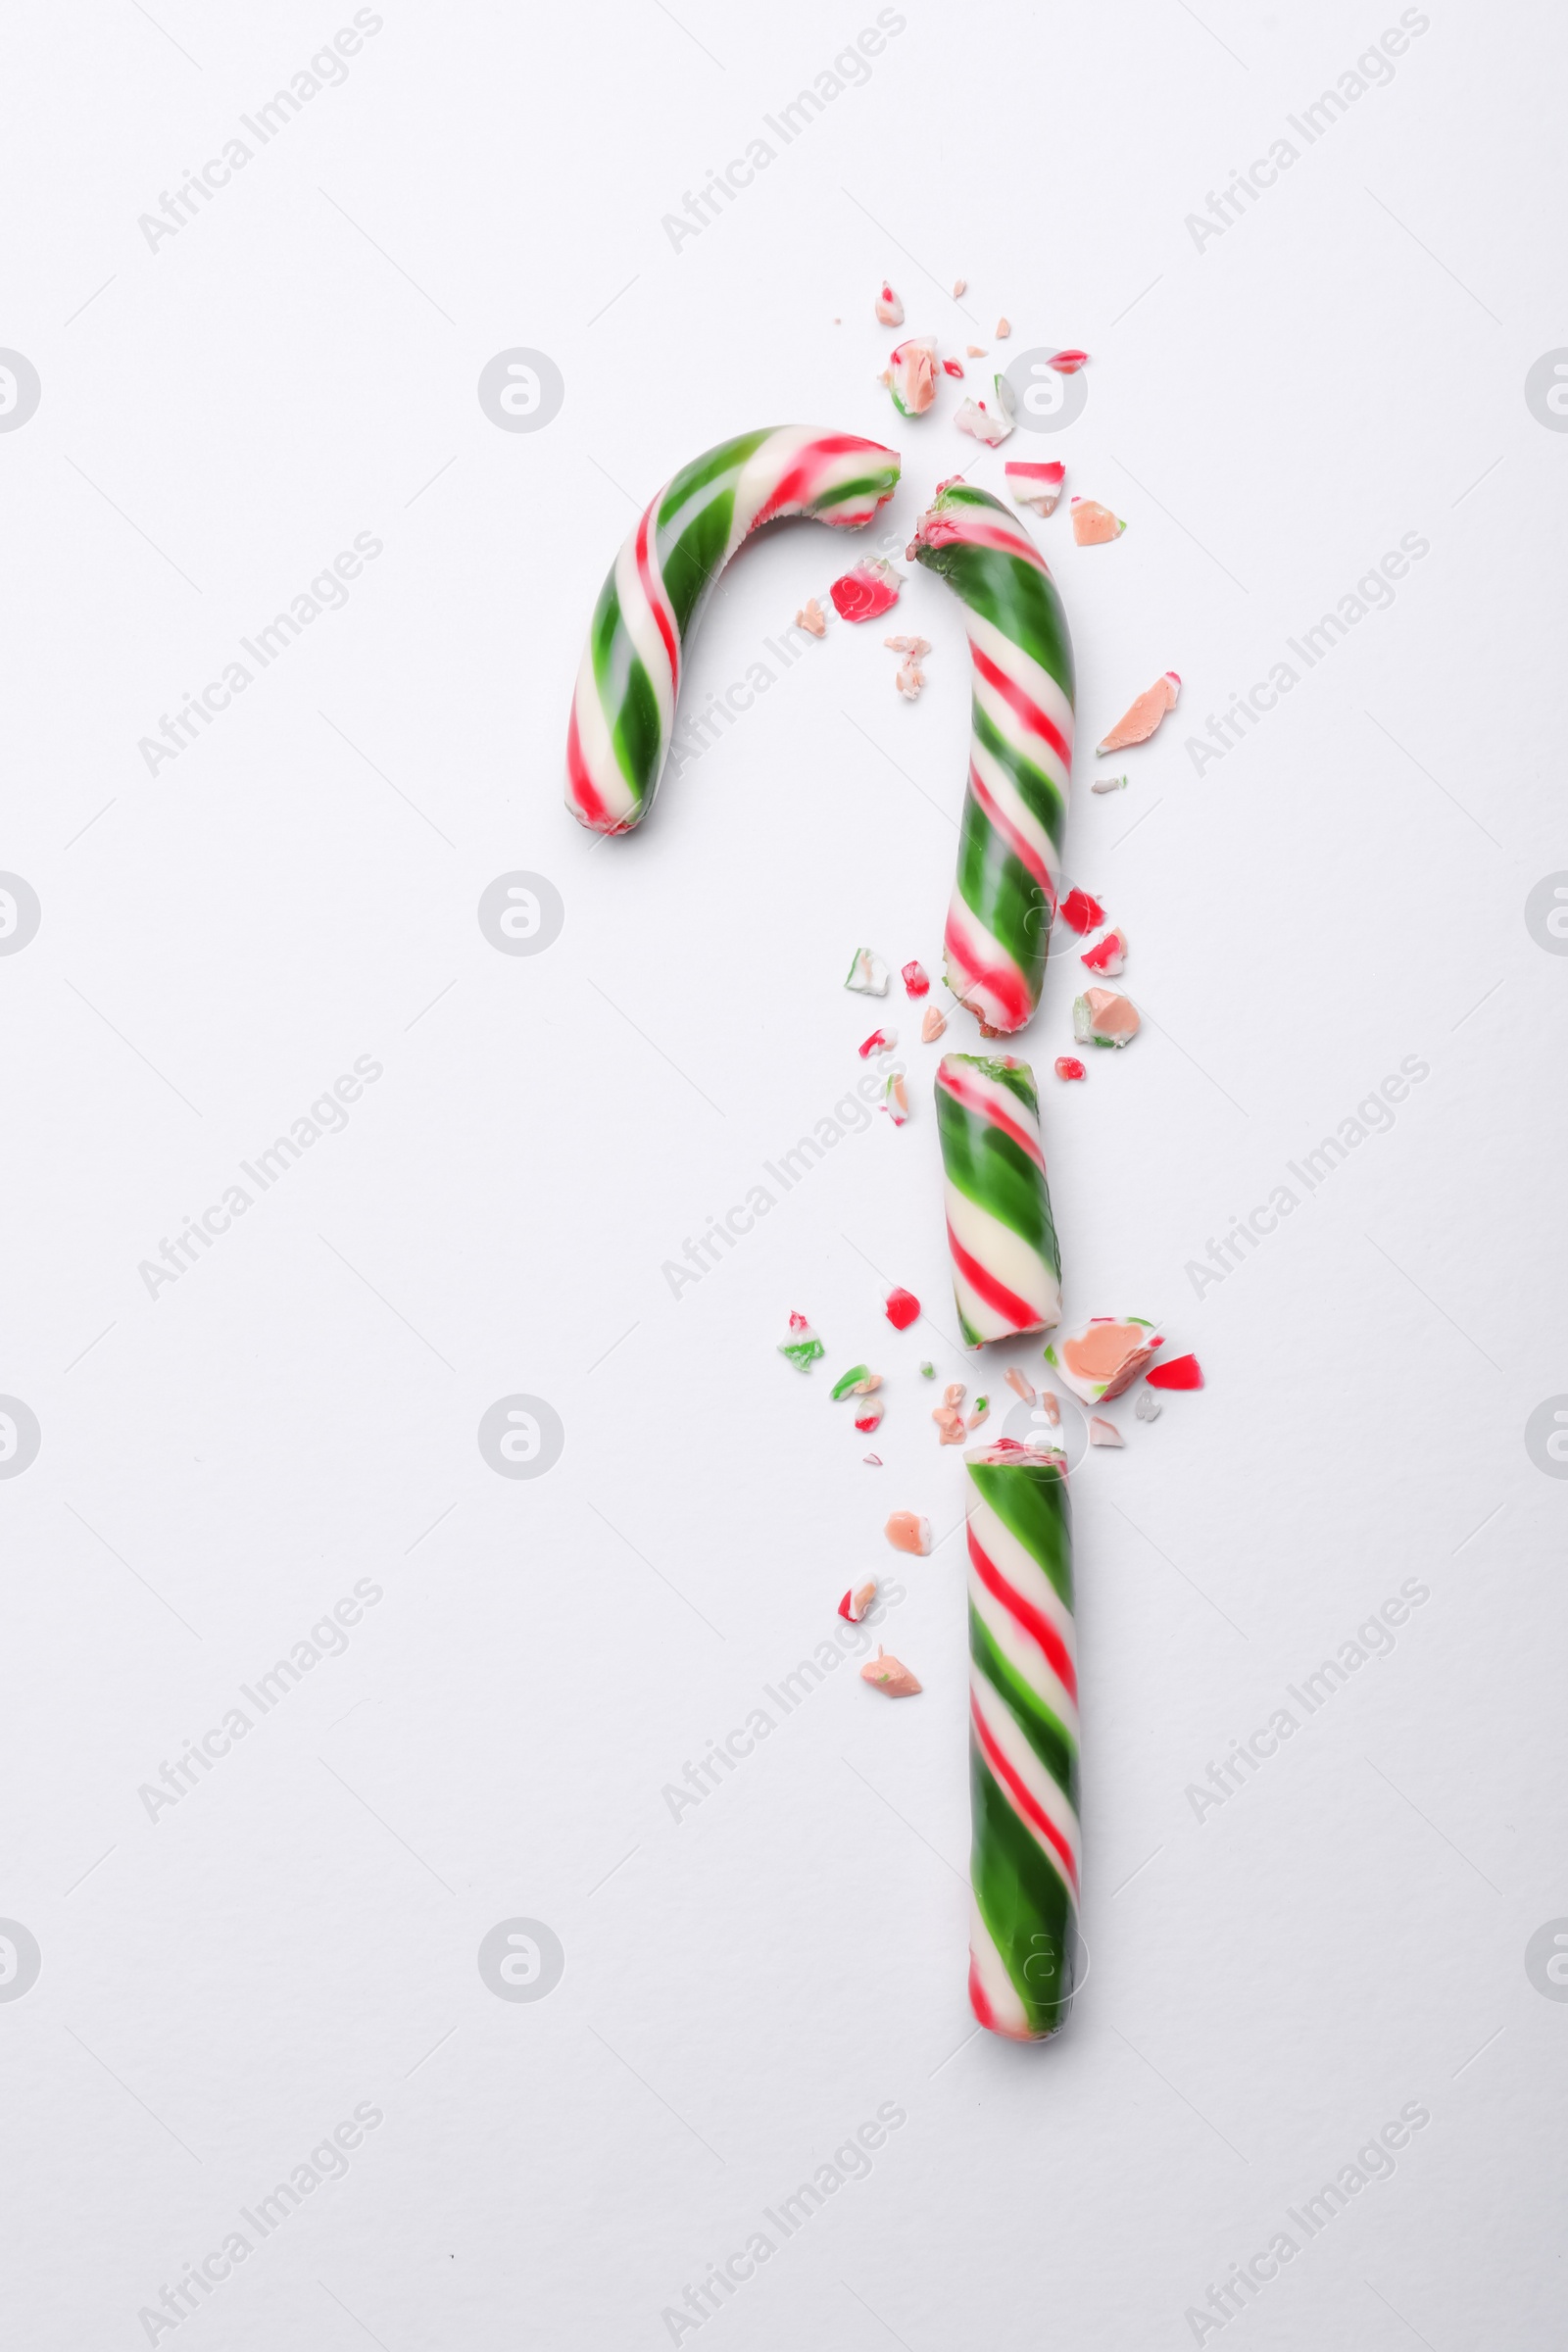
[(1049, 1739), (990, 1170), (1023, 1899), (1030, 1498)]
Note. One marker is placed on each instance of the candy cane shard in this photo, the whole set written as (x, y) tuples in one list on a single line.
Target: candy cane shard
[(1023, 1741), (1007, 1269), (623, 710), (1021, 751)]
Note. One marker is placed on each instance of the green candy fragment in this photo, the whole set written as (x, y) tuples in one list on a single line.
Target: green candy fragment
[(848, 1381)]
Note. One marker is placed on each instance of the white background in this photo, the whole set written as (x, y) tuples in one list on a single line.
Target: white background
[(1270, 411)]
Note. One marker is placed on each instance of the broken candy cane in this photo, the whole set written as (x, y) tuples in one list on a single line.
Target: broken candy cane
[(1036, 486), (907, 1531), (1007, 1270), (902, 1308), (891, 1675), (1138, 723), (1021, 751), (1100, 1017), (1105, 1355), (867, 591), (1095, 525), (803, 1347), (910, 375), (1108, 955), (889, 308), (1182, 1372), (855, 1602), (624, 710), (1023, 1740)]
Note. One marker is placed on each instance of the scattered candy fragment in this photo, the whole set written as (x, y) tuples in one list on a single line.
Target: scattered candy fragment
[(1004, 329), (1095, 525), (953, 367), (934, 1025), (974, 351), (916, 981), (880, 1041), (960, 286), (1019, 1386), (1068, 362), (811, 616), (869, 975), (982, 1409), (889, 308), (1182, 1372), (955, 1392), (1139, 722), (907, 1531), (985, 425), (855, 1603), (909, 679), (1069, 1066), (1105, 1355), (902, 1308), (1103, 1019), (872, 1461), (910, 375), (1050, 1407), (949, 1425), (928, 1371), (1145, 1409), (1108, 784), (889, 1675), (866, 592), (803, 1347), (856, 1382), (1102, 1433), (895, 1099), (1108, 955), (1036, 486), (870, 1416), (1080, 913), (918, 647)]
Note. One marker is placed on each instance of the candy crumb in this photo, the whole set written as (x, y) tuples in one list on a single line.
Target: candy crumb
[(908, 1532), (1181, 1372), (981, 1410), (895, 1099), (880, 1041), (1145, 1409), (955, 1392), (1108, 955), (918, 647), (1108, 784), (856, 1602), (960, 286), (953, 367), (1095, 525), (1080, 911), (1101, 1018), (934, 1025), (1036, 486), (1069, 1066), (902, 1308), (1019, 1386), (914, 975), (867, 590), (891, 1676), (910, 375), (803, 1347), (1004, 329), (869, 1420), (869, 975), (1099, 1358), (1140, 718), (949, 1425), (1068, 362), (1102, 1433), (856, 1382), (982, 424), (909, 679), (872, 1461), (889, 308), (928, 1370), (813, 617), (974, 351)]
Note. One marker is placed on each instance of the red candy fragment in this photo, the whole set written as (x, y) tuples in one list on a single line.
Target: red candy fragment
[(1068, 362), (916, 981), (1180, 1372), (880, 1041), (1080, 913), (1108, 955), (866, 592), (952, 367), (1068, 1066), (903, 1306)]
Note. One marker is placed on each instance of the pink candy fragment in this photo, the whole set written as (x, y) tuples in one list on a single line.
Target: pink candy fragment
[(1101, 1017), (908, 1532), (1068, 362), (880, 1041), (934, 1025), (891, 1676), (953, 367), (910, 375), (856, 1602), (889, 308), (1069, 1066), (1095, 525), (868, 592), (1102, 1433), (1036, 486), (909, 679), (1004, 329), (1019, 1386), (1108, 955), (813, 617), (1140, 720)]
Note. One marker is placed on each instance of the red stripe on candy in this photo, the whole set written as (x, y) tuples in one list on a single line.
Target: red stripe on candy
[(654, 591), (1022, 849), (803, 476), (1034, 1621), (1023, 1801), (962, 1090), (1021, 705), (978, 2001), (584, 790), (1019, 1314), (1003, 981)]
